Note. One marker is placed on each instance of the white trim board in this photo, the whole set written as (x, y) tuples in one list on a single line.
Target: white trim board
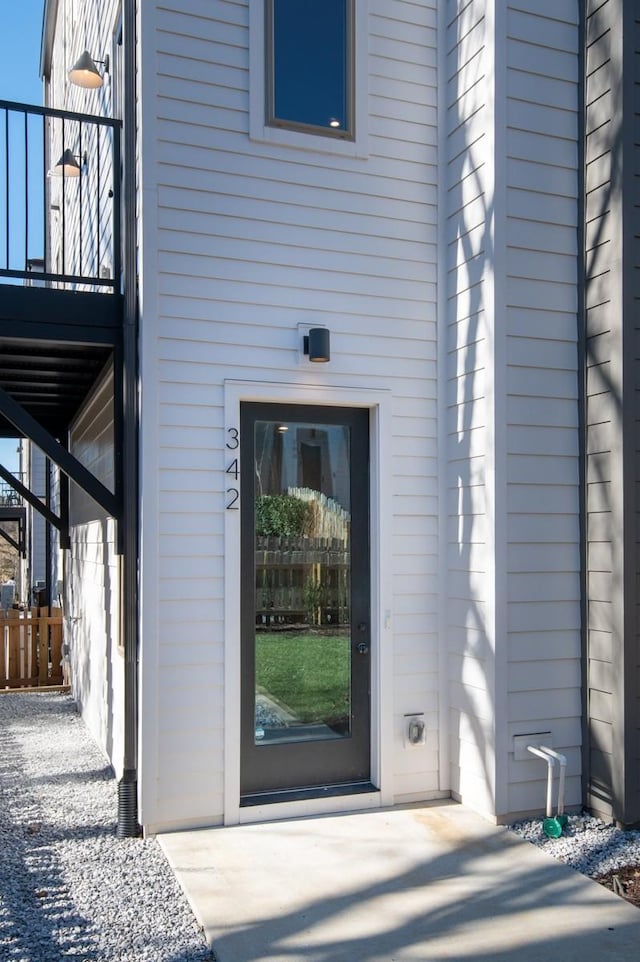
[(379, 405)]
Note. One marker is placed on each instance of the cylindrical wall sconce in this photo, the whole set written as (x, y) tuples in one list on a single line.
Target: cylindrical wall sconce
[(317, 345)]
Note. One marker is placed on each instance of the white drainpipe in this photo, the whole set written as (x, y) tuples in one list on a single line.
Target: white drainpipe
[(542, 753), (552, 827), (562, 762)]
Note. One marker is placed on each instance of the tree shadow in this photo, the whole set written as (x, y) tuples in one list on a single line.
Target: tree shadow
[(68, 886), (444, 906), (478, 636), (38, 919), (609, 383), (468, 331)]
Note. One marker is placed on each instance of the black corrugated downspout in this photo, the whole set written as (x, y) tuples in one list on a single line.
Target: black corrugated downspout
[(47, 535), (128, 826)]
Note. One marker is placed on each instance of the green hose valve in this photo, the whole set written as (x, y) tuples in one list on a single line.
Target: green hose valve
[(552, 827)]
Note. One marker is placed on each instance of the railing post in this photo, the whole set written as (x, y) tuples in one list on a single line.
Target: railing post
[(6, 183), (13, 646), (117, 187), (43, 646), (3, 645), (26, 190)]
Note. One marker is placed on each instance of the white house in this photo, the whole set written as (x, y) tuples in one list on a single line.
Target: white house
[(353, 583)]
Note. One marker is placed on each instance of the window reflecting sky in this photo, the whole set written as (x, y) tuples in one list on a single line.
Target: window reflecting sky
[(310, 58)]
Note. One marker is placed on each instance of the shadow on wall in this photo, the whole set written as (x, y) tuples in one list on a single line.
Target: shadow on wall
[(470, 347), (38, 889), (605, 430), (470, 259)]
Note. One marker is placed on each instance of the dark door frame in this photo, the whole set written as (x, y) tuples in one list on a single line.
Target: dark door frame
[(255, 764)]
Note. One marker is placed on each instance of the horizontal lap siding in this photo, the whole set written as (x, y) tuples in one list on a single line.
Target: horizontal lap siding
[(92, 581), (469, 362), (542, 444), (91, 567), (603, 390), (89, 25), (253, 239), (612, 263)]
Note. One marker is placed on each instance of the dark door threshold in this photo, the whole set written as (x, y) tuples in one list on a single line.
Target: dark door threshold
[(301, 794)]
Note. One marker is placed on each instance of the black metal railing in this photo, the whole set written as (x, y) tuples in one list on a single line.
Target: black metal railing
[(9, 497), (61, 221)]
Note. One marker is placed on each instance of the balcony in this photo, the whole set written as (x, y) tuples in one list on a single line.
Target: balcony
[(61, 304), (9, 497)]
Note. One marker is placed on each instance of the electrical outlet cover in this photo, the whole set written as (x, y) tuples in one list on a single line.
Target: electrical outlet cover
[(415, 730)]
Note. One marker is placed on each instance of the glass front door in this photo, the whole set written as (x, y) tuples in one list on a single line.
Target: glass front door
[(305, 599)]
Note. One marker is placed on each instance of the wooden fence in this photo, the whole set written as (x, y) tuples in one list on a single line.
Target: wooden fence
[(300, 579), (31, 648)]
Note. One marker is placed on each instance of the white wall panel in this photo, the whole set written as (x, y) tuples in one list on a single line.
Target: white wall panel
[(542, 445), (511, 414), (92, 582), (251, 239), (243, 238)]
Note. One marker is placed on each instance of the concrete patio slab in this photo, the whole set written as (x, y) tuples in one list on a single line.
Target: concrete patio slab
[(417, 884)]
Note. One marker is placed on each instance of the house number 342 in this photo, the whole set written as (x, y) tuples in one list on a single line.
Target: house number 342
[(233, 443)]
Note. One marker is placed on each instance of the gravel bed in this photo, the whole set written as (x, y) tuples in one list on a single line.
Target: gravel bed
[(587, 844), (268, 717), (68, 887)]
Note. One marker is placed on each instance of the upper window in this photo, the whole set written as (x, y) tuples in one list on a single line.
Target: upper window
[(309, 61)]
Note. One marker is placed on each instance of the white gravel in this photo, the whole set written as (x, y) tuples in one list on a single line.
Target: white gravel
[(587, 844), (68, 887)]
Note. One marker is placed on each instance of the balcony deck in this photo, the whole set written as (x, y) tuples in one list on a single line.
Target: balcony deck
[(61, 310)]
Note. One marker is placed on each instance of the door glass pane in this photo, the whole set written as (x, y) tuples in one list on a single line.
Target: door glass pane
[(303, 581)]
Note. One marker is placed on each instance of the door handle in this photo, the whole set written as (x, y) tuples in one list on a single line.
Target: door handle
[(362, 648)]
